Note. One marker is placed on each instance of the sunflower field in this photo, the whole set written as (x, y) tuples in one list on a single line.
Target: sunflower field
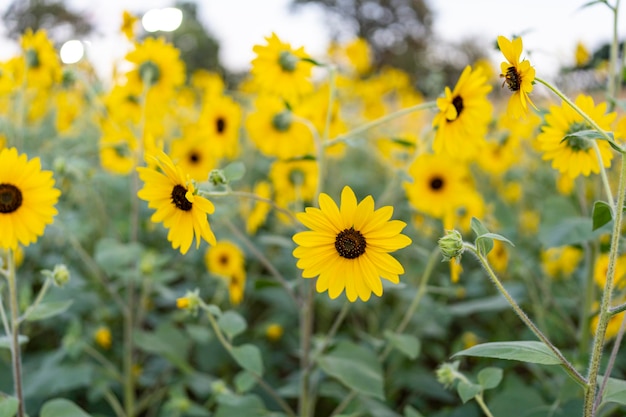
[(318, 240)]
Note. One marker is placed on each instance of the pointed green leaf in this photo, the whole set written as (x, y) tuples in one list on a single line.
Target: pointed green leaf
[(249, 358), (411, 412), (234, 171), (8, 406), (484, 246), (489, 378), (407, 344), (496, 237), (525, 351), (62, 408), (615, 391), (232, 324), (244, 381), (467, 390), (46, 310), (602, 214), (356, 367)]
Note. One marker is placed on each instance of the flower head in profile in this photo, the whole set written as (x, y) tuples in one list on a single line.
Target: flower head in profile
[(570, 154), (347, 247), (27, 199), (282, 70), (518, 76), (464, 114), (181, 210)]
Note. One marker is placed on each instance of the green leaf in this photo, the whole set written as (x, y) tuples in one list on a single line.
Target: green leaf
[(46, 310), (411, 412), (570, 231), (231, 405), (167, 341), (8, 406), (615, 391), (407, 344), (484, 246), (496, 237), (244, 381), (489, 378), (602, 214), (525, 351), (5, 341), (62, 408), (249, 358), (232, 324), (117, 258), (467, 390), (356, 367), (234, 171), (589, 134)]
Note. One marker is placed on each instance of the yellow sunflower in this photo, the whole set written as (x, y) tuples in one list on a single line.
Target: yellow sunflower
[(438, 185), (158, 64), (224, 259), (27, 199), (220, 120), (561, 262), (518, 76), (194, 155), (347, 247), (255, 212), (281, 70), (177, 205), (294, 181), (464, 114), (575, 156), (601, 269), (128, 25), (43, 67), (118, 146), (274, 131)]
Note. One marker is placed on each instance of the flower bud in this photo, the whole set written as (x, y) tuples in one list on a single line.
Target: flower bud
[(447, 373), (451, 245), (190, 302)]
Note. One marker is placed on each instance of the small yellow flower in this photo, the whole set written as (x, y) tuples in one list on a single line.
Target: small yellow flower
[(581, 55), (518, 76), (182, 303), (102, 336), (274, 332), (128, 25), (561, 262)]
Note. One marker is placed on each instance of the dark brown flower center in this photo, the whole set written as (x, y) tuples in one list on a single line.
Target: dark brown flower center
[(10, 198), (436, 183), (512, 78), (457, 102), (223, 259), (179, 199), (194, 157), (220, 124), (350, 243)]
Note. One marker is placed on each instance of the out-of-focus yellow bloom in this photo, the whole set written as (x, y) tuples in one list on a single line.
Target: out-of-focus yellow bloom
[(128, 25), (581, 55), (561, 262), (274, 332), (102, 336)]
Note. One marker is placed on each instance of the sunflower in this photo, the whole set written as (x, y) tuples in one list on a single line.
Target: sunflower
[(43, 67), (294, 181), (219, 120), (224, 259), (518, 76), (601, 269), (347, 247), (438, 184), (27, 199), (128, 25), (464, 114), (177, 205), (194, 155), (281, 70), (118, 146), (575, 156), (255, 212), (560, 262), (274, 131), (157, 64)]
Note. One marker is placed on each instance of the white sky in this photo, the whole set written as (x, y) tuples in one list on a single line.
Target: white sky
[(550, 28)]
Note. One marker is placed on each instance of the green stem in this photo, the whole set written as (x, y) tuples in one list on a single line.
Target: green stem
[(104, 362), (15, 332), (605, 135), (252, 196), (605, 305), (381, 120), (569, 368), (33, 306), (114, 403), (611, 363), (478, 397), (615, 73), (588, 299), (229, 348), (306, 331)]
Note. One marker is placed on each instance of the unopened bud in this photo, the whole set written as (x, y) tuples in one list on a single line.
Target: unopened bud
[(451, 245)]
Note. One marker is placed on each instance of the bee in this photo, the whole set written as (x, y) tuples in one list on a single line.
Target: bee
[(512, 79)]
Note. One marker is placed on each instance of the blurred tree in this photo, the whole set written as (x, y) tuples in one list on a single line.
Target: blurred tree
[(198, 48), (60, 22)]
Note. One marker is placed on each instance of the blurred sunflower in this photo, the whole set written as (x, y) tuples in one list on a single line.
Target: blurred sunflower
[(347, 247), (281, 70), (274, 131), (224, 258), (294, 181), (255, 212), (43, 67), (220, 119), (464, 114), (601, 269), (128, 25), (177, 205), (575, 156), (518, 76), (560, 262), (438, 184), (27, 199), (117, 148), (194, 155), (158, 65)]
